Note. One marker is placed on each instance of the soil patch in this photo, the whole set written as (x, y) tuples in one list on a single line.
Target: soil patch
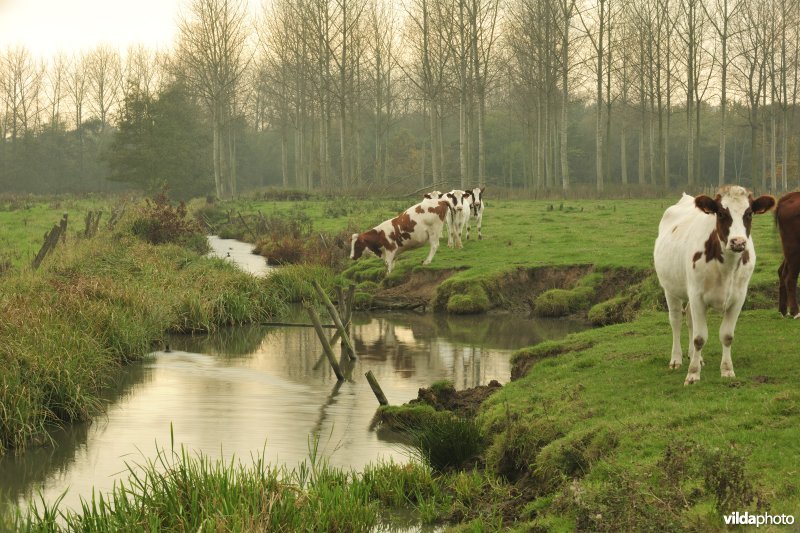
[(464, 403), (415, 292)]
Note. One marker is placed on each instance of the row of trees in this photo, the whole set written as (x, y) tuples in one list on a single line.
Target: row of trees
[(543, 94)]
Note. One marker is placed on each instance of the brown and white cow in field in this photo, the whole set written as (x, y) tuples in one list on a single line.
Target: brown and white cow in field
[(787, 218), (413, 227), (704, 255)]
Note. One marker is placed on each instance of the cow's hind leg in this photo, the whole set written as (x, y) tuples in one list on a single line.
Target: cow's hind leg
[(675, 318), (697, 338), (782, 288), (790, 273)]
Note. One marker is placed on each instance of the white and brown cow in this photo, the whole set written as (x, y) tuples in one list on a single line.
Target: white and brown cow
[(413, 227), (476, 209), (704, 255)]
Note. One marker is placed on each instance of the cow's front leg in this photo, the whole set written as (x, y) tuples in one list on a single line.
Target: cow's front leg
[(698, 338), (726, 329), (449, 230), (388, 257), (434, 240), (478, 224), (675, 306)]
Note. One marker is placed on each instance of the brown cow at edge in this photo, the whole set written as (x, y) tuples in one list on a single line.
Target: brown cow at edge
[(787, 218)]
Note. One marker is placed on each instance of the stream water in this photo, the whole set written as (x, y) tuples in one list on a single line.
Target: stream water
[(248, 390)]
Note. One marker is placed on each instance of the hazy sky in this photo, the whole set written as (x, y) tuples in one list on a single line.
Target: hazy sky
[(47, 26)]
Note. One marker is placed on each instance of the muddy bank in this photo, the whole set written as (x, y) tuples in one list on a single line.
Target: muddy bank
[(552, 291)]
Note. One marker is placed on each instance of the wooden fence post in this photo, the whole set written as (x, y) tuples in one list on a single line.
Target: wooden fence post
[(324, 340), (376, 388), (336, 319)]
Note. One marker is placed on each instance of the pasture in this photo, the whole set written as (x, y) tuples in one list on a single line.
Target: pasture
[(594, 433)]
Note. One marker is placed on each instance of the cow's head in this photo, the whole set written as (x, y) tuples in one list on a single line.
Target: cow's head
[(433, 195), (734, 208), (357, 246), (458, 200), (477, 197)]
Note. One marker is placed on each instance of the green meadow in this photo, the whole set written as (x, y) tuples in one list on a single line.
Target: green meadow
[(594, 433)]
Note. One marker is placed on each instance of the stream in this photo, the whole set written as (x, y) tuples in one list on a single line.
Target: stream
[(254, 389)]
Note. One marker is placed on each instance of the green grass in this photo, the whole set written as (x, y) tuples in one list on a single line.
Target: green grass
[(604, 410), (25, 219)]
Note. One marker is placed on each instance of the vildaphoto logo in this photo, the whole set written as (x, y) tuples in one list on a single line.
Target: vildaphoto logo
[(764, 519)]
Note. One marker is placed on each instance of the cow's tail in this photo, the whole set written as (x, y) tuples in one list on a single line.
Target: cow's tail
[(777, 211)]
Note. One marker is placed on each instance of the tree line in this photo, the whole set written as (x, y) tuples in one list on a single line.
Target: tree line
[(546, 95)]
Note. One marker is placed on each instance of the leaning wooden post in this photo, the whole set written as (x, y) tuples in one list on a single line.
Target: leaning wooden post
[(326, 346), (336, 319), (376, 388)]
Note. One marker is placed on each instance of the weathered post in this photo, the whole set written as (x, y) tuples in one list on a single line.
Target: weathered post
[(376, 388), (326, 346), (336, 319)]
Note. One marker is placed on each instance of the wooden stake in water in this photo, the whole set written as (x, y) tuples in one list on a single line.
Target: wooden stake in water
[(376, 388), (326, 346), (336, 319)]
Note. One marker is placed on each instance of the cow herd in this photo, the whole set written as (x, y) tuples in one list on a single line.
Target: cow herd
[(421, 223), (704, 255)]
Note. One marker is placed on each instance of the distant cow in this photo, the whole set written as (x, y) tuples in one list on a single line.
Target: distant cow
[(787, 218), (704, 255), (459, 203), (476, 209), (413, 227)]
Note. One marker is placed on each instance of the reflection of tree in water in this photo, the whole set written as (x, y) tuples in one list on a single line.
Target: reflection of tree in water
[(379, 341), (226, 342), (20, 474), (506, 331)]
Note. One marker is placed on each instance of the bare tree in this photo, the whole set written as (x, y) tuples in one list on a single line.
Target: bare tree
[(104, 76), (212, 57)]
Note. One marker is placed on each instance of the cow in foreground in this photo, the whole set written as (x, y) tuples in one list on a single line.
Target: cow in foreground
[(476, 209), (704, 255), (413, 227), (787, 218)]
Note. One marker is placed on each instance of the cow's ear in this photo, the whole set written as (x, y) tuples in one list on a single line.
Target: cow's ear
[(482, 189), (706, 204), (451, 195), (428, 196), (762, 204), (466, 195)]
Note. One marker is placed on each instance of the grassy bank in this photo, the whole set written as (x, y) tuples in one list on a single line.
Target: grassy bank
[(177, 491), (99, 303), (603, 436)]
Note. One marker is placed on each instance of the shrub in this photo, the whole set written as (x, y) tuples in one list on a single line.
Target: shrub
[(160, 222)]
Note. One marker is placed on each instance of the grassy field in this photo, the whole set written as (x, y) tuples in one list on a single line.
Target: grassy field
[(594, 434), (24, 221)]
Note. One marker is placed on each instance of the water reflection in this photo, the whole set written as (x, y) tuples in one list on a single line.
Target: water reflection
[(228, 393)]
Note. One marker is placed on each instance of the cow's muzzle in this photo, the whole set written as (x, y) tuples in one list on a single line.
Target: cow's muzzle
[(738, 244)]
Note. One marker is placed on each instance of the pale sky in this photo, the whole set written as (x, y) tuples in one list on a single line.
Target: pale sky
[(46, 27)]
